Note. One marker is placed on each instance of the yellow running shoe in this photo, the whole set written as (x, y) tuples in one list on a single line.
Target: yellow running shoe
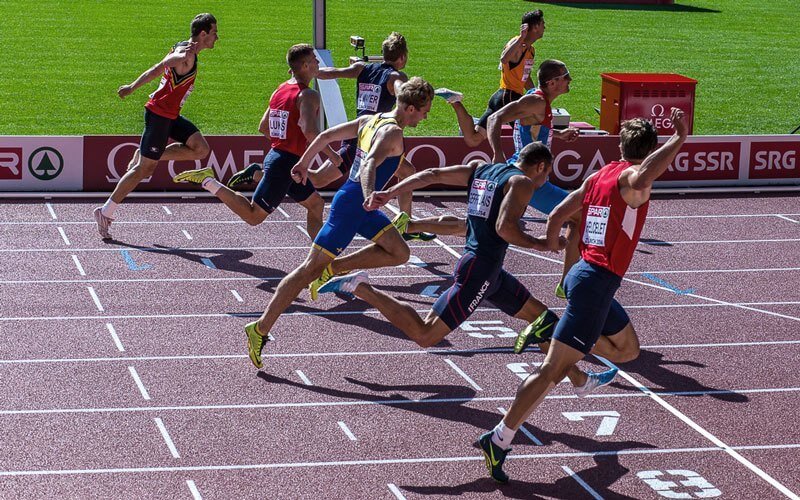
[(400, 222), (255, 343), (313, 287), (560, 293), (194, 176)]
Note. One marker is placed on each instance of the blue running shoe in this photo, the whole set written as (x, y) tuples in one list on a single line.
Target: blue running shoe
[(346, 284), (494, 457), (541, 330), (451, 96), (595, 381)]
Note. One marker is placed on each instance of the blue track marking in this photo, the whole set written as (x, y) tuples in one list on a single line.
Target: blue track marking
[(132, 265), (666, 284), (208, 263), (430, 291)]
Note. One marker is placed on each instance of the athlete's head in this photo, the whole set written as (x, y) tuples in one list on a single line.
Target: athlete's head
[(554, 77), (535, 21), (302, 61), (414, 100), (637, 139), (395, 50), (536, 159), (204, 30)]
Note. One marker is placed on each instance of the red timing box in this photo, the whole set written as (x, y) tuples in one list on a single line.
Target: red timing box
[(11, 163)]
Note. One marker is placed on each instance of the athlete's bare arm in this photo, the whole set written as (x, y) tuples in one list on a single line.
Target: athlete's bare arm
[(568, 134), (562, 213), (308, 103), (514, 51), (388, 142), (347, 130), (351, 71), (519, 190), (456, 175), (529, 106), (181, 56), (396, 80)]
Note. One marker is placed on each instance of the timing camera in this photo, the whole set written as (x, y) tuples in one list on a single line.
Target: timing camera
[(358, 44)]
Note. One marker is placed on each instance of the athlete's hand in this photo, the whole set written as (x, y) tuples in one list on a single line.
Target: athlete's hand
[(300, 173), (376, 200), (336, 159), (678, 118), (190, 48), (569, 134), (124, 91), (523, 31), (552, 245)]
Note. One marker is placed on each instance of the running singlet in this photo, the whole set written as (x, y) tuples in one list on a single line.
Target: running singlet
[(372, 92), (173, 90), (526, 134), (284, 116), (366, 137), (610, 228), (486, 193), (513, 77)]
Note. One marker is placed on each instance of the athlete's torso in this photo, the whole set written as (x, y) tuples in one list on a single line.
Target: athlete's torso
[(366, 140), (372, 91), (486, 193), (514, 76), (542, 132), (173, 90), (284, 118), (610, 228)]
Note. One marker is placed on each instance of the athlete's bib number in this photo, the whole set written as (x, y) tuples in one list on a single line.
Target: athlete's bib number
[(278, 122), (368, 96), (355, 170), (596, 224), (480, 198), (526, 70)]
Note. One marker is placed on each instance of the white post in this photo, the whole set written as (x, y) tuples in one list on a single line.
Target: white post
[(319, 24)]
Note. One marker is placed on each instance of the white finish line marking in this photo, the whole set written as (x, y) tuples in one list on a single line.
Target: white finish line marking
[(583, 483), (168, 213), (282, 211), (787, 218), (186, 233), (78, 265), (113, 333), (237, 296), (63, 235), (139, 383), (50, 209), (522, 429), (302, 230), (396, 491), (193, 489), (165, 435), (303, 377), (347, 431), (95, 298), (463, 375)]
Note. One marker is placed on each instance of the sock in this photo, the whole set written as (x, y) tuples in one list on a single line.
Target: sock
[(211, 185), (108, 208), (502, 435)]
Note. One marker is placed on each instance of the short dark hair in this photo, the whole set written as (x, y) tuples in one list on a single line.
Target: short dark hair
[(533, 17), (202, 22), (415, 92), (297, 54), (548, 70), (638, 138), (535, 153), (394, 47)]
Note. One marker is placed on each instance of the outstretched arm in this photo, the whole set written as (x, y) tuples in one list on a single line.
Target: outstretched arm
[(520, 189), (562, 213), (527, 105), (657, 162), (340, 132), (457, 175), (308, 103), (178, 56), (351, 71)]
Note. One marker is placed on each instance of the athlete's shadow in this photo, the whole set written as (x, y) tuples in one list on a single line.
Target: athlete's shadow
[(652, 364), (601, 477)]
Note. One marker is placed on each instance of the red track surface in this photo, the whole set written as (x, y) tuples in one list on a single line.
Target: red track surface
[(124, 372)]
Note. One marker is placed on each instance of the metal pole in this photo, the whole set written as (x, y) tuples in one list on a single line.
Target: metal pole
[(319, 24)]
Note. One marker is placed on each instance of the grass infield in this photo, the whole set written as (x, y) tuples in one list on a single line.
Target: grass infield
[(63, 61)]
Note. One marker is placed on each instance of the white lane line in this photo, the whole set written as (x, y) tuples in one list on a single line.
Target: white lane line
[(63, 235), (388, 461), (522, 428), (303, 377), (787, 218), (165, 435), (463, 375), (167, 210), (139, 383), (347, 431), (193, 489), (583, 483), (95, 298), (237, 296), (186, 233), (282, 211), (114, 337), (302, 230), (396, 491), (78, 265), (439, 242), (703, 432), (712, 216), (50, 209), (536, 255)]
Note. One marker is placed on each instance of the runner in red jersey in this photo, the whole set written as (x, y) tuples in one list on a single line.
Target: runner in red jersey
[(289, 123), (162, 119), (614, 203)]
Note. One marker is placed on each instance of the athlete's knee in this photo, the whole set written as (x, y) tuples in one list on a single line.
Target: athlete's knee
[(315, 205), (200, 147), (255, 217), (553, 372), (401, 254), (144, 168), (628, 346)]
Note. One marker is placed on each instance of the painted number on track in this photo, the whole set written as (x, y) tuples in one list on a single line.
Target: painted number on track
[(686, 484), (607, 424), (522, 370), (474, 329)]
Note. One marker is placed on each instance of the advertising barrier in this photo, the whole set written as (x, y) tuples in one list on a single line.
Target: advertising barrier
[(41, 163)]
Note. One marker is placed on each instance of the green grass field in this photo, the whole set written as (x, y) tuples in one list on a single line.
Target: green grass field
[(63, 61)]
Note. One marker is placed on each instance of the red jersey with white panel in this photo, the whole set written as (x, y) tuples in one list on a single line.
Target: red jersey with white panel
[(284, 119), (611, 228), (173, 90)]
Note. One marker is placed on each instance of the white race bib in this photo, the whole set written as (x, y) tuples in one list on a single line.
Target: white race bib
[(526, 70), (355, 170), (480, 198), (368, 96), (278, 122), (596, 224)]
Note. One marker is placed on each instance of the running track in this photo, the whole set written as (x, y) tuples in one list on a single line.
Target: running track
[(124, 371)]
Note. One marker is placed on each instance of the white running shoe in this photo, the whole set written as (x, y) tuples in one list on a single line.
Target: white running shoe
[(346, 283), (451, 96), (595, 381), (103, 223)]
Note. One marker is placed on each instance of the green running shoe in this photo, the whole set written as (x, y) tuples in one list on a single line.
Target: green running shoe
[(560, 293), (419, 236), (400, 222), (245, 176), (494, 457), (255, 343), (194, 176), (313, 287), (541, 330)]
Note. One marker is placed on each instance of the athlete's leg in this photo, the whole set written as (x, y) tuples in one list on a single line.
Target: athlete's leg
[(405, 169), (473, 134), (143, 169), (443, 224), (388, 249), (195, 148), (314, 205), (572, 253), (324, 174), (249, 211), (621, 347)]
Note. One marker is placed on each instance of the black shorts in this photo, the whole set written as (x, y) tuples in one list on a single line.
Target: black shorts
[(476, 279), (497, 101), (348, 153), (277, 182), (158, 130)]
